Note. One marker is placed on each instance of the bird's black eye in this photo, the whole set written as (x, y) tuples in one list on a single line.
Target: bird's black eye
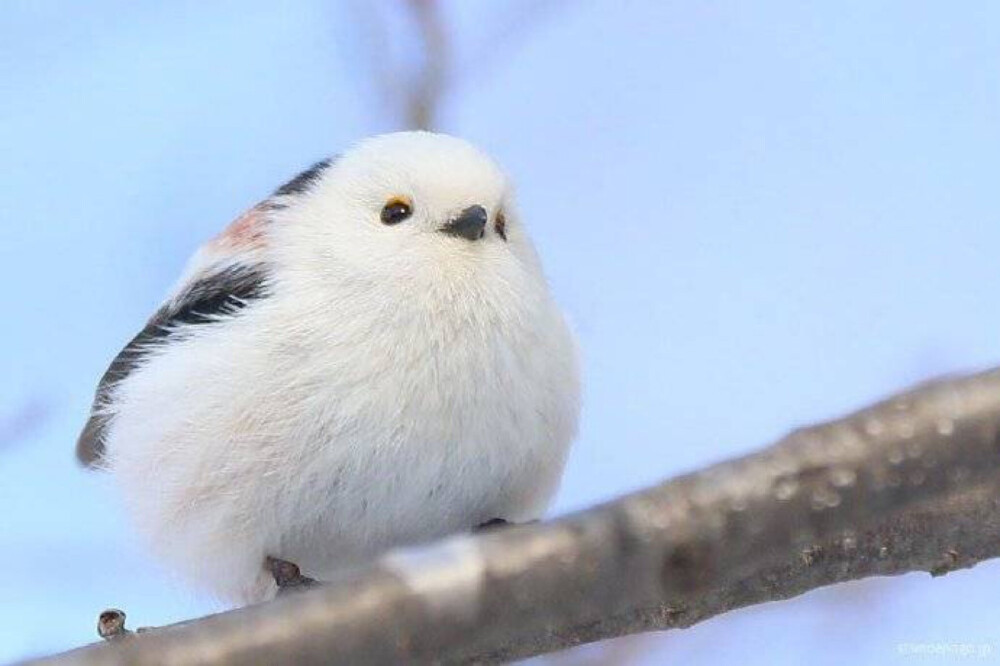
[(500, 225), (396, 210)]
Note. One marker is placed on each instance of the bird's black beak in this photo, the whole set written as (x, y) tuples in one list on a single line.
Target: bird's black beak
[(470, 224)]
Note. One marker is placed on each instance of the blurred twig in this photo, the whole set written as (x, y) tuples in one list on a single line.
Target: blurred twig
[(425, 98), (507, 32), (909, 484), (23, 421), (416, 94), (413, 94)]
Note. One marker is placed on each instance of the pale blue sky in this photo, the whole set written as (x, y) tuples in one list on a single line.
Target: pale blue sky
[(756, 214)]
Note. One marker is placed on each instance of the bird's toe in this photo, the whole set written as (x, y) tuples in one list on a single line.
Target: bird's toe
[(491, 524), (287, 575)]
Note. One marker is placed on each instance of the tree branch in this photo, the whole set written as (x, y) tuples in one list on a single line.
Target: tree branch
[(909, 484)]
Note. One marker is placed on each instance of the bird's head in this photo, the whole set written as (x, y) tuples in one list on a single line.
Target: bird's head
[(409, 206)]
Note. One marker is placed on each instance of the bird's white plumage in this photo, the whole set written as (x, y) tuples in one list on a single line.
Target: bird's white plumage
[(397, 384)]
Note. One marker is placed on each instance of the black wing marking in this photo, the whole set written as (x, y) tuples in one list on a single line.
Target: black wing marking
[(302, 182), (205, 301)]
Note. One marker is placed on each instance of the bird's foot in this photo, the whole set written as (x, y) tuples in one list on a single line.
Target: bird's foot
[(491, 524), (287, 575), (111, 625)]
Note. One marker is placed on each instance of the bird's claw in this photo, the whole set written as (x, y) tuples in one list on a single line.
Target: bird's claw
[(287, 575), (491, 524), (111, 625)]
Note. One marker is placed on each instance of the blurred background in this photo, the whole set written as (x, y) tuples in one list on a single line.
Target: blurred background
[(757, 215)]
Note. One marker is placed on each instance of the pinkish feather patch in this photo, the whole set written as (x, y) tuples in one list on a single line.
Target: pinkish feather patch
[(245, 232)]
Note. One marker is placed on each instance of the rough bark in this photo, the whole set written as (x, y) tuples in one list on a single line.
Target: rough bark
[(906, 485)]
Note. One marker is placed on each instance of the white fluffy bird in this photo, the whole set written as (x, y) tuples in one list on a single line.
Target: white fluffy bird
[(369, 358)]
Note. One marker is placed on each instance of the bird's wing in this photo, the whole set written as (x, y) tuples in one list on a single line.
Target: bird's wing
[(223, 277)]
